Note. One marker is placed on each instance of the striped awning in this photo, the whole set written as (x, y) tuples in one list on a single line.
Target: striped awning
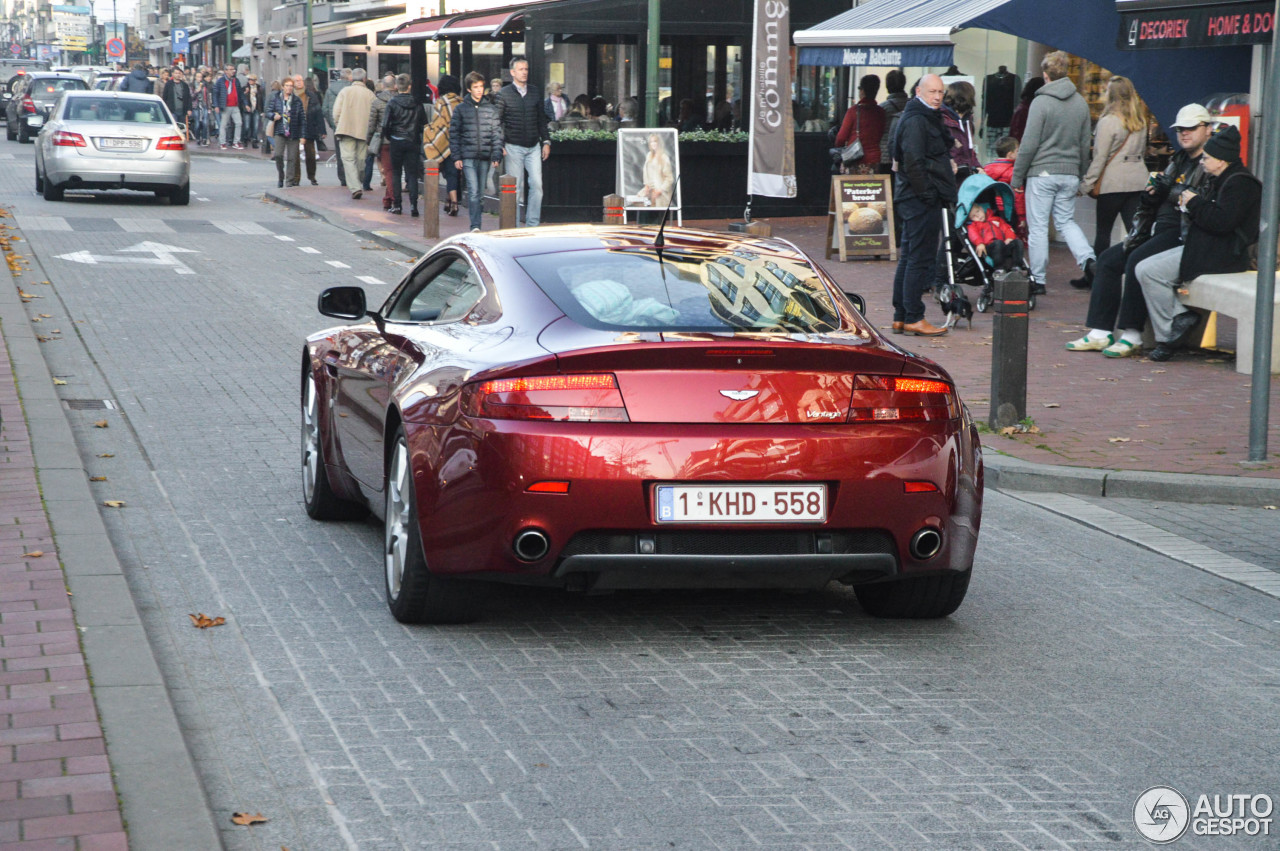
[(895, 22)]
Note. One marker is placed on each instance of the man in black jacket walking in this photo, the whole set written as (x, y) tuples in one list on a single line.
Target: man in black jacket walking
[(526, 141), (402, 130), (924, 185)]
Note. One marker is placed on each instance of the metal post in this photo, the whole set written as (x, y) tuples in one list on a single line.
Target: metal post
[(311, 59), (440, 70), (1009, 350), (1264, 304), (431, 199), (651, 64), (506, 201), (228, 61)]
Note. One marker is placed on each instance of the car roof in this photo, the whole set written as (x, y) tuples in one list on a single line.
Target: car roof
[(585, 237), (99, 93), (55, 75)]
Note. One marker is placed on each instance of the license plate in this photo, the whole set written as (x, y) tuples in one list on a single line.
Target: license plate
[(35, 120), (741, 503), (121, 144)]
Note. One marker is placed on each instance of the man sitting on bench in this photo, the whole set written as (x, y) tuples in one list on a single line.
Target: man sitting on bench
[(1218, 227)]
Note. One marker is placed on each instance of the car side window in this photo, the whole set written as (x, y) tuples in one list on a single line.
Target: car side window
[(444, 291)]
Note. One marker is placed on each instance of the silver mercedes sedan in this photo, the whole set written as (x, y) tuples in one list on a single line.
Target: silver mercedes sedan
[(113, 140)]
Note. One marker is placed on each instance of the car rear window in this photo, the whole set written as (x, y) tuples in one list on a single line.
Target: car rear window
[(116, 110), (685, 290), (50, 88)]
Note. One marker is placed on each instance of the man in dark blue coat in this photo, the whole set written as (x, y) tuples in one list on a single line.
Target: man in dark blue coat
[(526, 140), (924, 186)]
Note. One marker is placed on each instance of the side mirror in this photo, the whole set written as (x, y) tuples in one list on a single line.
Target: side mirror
[(859, 302), (342, 303)]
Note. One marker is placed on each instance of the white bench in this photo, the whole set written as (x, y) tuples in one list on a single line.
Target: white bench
[(1233, 294)]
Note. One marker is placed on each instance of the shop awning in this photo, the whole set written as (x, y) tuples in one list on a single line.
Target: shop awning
[(423, 28), (210, 33), (244, 51), (479, 25), (890, 33)]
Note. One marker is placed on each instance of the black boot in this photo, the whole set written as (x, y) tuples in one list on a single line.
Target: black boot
[(279, 174), (413, 208)]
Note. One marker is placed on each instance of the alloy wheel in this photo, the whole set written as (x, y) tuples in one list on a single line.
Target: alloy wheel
[(310, 440), (399, 481)]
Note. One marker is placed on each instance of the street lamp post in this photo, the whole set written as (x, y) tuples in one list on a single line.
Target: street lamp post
[(310, 63), (228, 62)]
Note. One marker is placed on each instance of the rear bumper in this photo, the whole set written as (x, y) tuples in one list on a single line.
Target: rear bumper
[(473, 502), (90, 172)]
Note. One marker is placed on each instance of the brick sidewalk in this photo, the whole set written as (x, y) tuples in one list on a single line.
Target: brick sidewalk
[(55, 783), (1189, 415)]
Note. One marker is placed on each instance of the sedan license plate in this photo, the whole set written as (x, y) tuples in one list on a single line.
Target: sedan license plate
[(121, 144), (35, 120), (796, 503)]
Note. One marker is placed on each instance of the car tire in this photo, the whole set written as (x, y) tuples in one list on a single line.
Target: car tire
[(39, 181), (321, 502), (181, 195), (9, 134), (414, 593), (921, 597), (52, 191)]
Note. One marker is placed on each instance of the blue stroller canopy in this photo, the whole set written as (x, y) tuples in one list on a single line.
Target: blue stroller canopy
[(973, 190)]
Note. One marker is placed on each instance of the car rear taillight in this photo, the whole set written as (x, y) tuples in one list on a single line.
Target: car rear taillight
[(171, 143), (564, 398), (28, 105), (63, 139), (883, 398)]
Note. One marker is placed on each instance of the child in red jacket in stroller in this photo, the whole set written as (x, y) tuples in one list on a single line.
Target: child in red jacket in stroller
[(993, 237), (1001, 169)]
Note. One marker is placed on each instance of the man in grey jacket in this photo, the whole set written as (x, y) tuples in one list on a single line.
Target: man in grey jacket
[(1052, 160)]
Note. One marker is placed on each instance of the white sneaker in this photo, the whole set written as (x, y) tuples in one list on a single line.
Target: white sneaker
[(1090, 344), (475, 230)]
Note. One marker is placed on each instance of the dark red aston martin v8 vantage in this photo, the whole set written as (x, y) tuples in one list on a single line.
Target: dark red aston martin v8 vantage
[(579, 407)]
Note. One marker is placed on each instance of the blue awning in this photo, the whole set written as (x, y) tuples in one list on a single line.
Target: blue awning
[(1166, 79)]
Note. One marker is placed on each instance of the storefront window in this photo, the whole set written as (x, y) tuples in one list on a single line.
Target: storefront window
[(393, 63), (814, 92)]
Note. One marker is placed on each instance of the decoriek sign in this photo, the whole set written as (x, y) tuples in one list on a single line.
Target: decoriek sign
[(1145, 25)]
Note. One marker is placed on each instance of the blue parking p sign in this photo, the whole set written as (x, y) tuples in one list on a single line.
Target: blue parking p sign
[(181, 42)]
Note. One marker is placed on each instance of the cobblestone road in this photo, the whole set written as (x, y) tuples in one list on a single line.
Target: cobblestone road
[(1079, 672)]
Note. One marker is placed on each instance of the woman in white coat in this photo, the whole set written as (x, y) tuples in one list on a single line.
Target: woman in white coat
[(1118, 170)]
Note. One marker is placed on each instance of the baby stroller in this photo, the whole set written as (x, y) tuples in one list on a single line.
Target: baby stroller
[(964, 265)]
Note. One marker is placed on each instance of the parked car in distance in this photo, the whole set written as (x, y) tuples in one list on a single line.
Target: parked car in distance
[(34, 96), (10, 67), (590, 408), (113, 140)]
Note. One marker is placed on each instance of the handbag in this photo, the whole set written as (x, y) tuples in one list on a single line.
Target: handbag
[(1093, 191), (271, 128), (853, 152), (1143, 223)]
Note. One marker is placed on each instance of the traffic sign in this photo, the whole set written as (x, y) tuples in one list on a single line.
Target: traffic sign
[(115, 47), (180, 41), (15, 49)]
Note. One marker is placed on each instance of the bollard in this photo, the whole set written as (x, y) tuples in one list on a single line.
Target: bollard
[(506, 201), (614, 213), (1009, 350), (431, 199)]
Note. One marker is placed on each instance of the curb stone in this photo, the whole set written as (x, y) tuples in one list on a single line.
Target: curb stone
[(163, 804)]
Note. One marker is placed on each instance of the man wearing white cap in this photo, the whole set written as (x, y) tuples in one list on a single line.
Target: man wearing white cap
[(1222, 222), (1116, 302)]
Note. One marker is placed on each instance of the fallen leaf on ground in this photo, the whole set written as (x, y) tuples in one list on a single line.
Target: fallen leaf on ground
[(33, 554), (97, 478), (107, 455), (101, 424), (202, 621), (1052, 405), (246, 819), (1117, 440), (46, 316), (114, 503), (1268, 508), (59, 382)]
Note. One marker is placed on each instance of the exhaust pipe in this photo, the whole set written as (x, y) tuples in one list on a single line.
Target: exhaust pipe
[(926, 543), (531, 544)]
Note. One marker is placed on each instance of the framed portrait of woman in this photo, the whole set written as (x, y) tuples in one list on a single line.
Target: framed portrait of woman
[(648, 163)]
